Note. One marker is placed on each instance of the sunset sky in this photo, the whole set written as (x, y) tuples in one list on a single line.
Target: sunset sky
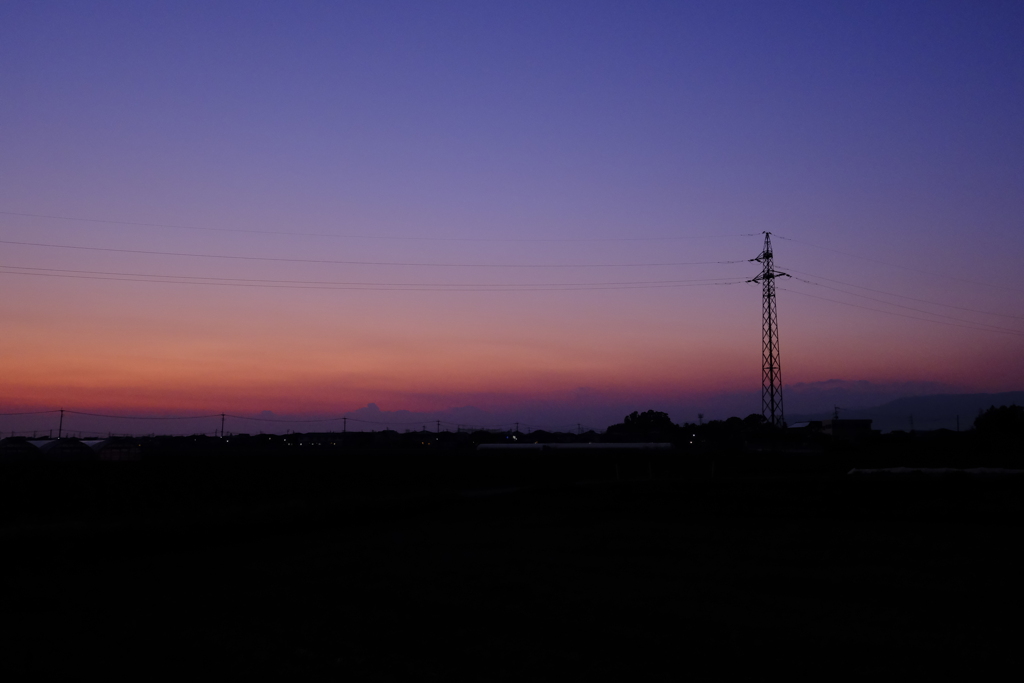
[(535, 209)]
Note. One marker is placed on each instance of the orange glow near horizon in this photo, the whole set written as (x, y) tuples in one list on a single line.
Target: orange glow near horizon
[(460, 209), (157, 348)]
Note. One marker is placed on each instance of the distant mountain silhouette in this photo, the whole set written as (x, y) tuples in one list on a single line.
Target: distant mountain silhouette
[(926, 412), (806, 397)]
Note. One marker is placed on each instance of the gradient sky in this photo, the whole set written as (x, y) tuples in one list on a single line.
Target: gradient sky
[(884, 140)]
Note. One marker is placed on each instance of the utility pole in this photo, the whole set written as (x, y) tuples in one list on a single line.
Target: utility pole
[(60, 426), (344, 425), (222, 425), (771, 372), (438, 426)]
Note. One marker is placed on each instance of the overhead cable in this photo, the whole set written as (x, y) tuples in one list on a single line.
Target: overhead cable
[(32, 412), (909, 308), (910, 298), (201, 279), (148, 252), (290, 233), (143, 417), (944, 276), (389, 288), (904, 315)]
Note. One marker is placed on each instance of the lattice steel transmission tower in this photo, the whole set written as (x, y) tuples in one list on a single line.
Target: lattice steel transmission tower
[(771, 372)]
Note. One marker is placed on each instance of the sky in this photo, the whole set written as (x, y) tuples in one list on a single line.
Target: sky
[(532, 210)]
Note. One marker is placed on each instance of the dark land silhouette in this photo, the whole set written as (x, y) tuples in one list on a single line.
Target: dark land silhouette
[(930, 412), (396, 556)]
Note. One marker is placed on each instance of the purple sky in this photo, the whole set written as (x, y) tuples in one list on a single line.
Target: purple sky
[(883, 139)]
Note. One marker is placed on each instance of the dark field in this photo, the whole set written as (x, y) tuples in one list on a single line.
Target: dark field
[(323, 568)]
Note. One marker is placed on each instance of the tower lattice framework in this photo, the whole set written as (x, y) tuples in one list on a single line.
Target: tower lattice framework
[(771, 370)]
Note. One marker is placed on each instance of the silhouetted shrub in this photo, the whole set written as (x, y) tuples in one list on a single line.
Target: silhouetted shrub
[(1003, 421), (645, 422)]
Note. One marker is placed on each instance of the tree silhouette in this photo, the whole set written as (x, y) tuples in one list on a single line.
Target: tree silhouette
[(647, 421), (1002, 421)]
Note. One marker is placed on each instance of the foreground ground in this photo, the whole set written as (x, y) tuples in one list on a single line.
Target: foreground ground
[(646, 578)]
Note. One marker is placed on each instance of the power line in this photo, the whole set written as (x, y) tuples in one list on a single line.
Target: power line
[(903, 296), (349, 418), (364, 263), (143, 417), (904, 315), (218, 415), (393, 288), (200, 279), (910, 308), (32, 412), (251, 231), (342, 417), (944, 276), (323, 419)]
